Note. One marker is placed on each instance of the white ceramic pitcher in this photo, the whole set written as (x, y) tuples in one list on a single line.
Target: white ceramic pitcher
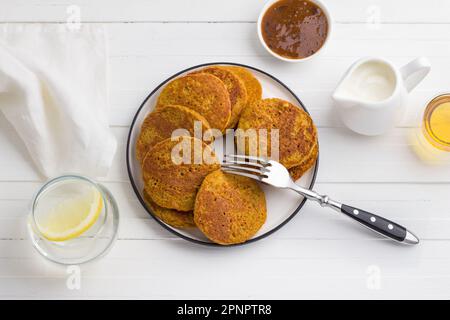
[(371, 97)]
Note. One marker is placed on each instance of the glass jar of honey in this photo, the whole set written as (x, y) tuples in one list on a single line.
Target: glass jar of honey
[(434, 133)]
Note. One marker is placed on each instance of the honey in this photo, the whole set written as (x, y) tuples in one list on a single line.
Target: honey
[(436, 122)]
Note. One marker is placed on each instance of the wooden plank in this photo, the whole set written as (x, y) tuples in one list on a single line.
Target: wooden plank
[(344, 157), (138, 66), (268, 249), (221, 286), (285, 269), (431, 11), (421, 207), (197, 39), (317, 225)]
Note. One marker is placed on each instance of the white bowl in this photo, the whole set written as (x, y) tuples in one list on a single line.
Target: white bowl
[(325, 10)]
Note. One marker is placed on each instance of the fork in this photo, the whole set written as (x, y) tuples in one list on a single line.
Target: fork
[(275, 174)]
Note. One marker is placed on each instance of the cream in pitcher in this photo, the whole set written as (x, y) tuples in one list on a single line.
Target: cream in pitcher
[(371, 96)]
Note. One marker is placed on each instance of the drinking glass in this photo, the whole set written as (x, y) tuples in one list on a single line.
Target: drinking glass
[(433, 136), (90, 244)]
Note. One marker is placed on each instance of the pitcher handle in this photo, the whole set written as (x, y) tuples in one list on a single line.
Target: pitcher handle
[(414, 72)]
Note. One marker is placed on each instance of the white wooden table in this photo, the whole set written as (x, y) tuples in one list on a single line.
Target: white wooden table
[(317, 255)]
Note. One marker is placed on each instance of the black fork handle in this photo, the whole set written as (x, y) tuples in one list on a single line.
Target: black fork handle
[(372, 221), (380, 225)]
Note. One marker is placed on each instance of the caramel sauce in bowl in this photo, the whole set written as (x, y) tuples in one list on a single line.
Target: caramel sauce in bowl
[(294, 30)]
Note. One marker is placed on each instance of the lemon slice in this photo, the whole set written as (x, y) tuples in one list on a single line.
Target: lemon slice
[(71, 217)]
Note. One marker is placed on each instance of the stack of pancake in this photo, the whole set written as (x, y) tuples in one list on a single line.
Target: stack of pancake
[(228, 209)]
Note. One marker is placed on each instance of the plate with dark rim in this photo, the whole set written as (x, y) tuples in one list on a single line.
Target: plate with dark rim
[(282, 205)]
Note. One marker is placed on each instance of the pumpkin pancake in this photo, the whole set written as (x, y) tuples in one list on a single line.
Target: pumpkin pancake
[(298, 171), (252, 85), (229, 209), (160, 124), (174, 170), (203, 93), (236, 90), (174, 218), (297, 133)]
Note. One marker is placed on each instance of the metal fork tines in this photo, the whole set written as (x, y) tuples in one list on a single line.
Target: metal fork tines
[(267, 171), (251, 167)]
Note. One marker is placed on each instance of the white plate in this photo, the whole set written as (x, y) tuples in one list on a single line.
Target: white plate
[(282, 205)]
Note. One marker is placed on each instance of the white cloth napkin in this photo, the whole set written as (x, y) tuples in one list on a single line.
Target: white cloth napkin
[(53, 90)]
